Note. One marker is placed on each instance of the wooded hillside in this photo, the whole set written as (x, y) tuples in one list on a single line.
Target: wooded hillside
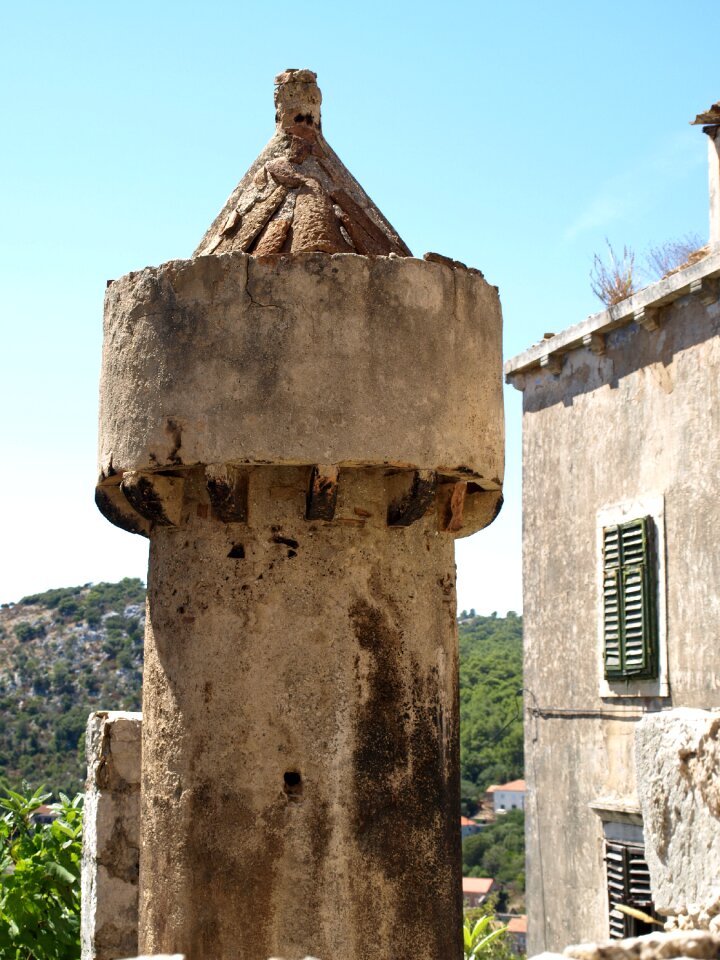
[(66, 652), (491, 731)]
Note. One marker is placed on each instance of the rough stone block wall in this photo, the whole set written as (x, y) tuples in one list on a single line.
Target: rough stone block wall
[(678, 780), (111, 836), (697, 944)]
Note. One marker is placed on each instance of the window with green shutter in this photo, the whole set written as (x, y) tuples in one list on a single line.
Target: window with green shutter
[(629, 620)]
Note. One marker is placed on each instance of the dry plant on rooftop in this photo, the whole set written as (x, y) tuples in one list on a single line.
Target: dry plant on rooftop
[(614, 280), (671, 255)]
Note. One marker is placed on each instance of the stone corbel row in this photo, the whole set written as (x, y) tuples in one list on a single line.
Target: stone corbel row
[(139, 501)]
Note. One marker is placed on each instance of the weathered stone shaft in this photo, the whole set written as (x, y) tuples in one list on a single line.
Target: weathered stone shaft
[(300, 751)]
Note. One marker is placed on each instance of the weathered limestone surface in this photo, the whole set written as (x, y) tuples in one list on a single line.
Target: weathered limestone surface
[(698, 944), (298, 196), (300, 731), (111, 835), (643, 418), (298, 360), (678, 776)]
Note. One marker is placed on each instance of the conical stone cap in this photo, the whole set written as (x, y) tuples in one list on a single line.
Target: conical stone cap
[(298, 196)]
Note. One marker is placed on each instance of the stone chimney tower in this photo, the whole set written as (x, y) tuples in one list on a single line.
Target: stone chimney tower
[(711, 126), (301, 417)]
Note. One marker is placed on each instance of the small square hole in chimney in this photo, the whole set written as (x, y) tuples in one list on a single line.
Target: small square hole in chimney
[(237, 552), (292, 784)]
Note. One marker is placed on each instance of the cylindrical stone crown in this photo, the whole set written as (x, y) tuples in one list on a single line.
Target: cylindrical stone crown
[(344, 360)]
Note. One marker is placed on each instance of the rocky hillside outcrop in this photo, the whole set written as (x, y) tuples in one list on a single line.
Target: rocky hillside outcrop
[(64, 653)]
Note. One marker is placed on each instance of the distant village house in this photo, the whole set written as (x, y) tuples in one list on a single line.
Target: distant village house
[(517, 928), (476, 890), (469, 827), (508, 796)]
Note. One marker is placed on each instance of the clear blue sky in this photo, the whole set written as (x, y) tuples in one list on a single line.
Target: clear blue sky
[(512, 136)]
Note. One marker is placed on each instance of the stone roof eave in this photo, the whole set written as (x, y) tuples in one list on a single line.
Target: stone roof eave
[(700, 279)]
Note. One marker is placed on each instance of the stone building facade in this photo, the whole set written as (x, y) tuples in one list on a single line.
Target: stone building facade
[(621, 457)]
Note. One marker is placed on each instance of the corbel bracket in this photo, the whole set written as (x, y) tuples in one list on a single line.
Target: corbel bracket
[(322, 493), (414, 504)]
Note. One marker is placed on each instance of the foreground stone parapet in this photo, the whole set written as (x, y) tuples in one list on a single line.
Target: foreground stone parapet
[(675, 945), (678, 776), (302, 434), (111, 836), (698, 944)]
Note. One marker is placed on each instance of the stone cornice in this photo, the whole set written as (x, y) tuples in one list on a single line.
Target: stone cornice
[(700, 279)]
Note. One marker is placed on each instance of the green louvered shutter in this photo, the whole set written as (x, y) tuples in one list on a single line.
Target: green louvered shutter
[(636, 598), (612, 602), (628, 599)]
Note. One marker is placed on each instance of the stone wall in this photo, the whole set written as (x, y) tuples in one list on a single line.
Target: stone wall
[(697, 944), (678, 765), (111, 836)]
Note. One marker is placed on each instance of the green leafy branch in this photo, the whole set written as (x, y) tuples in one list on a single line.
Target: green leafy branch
[(40, 873)]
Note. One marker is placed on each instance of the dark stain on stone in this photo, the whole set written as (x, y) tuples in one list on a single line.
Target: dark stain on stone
[(320, 829), (233, 911), (416, 502), (446, 584), (143, 497), (287, 541), (120, 856), (293, 786), (229, 500), (405, 779), (174, 431), (114, 514), (321, 499)]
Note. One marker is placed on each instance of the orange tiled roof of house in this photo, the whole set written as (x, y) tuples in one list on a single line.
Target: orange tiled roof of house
[(465, 822), (517, 785), (477, 884), (517, 924)]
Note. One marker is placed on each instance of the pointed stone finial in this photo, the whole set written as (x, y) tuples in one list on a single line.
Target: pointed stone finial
[(298, 197), (297, 101)]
